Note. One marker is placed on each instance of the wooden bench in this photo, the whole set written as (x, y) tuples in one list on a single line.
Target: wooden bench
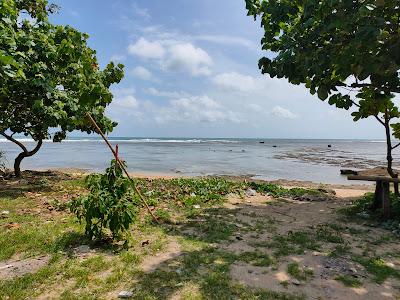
[(382, 190)]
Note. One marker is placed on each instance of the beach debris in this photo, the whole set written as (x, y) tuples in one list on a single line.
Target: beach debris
[(327, 191), (295, 282), (348, 172), (193, 195), (312, 198), (274, 146), (329, 146), (251, 193), (145, 243), (125, 294), (262, 142), (196, 206), (5, 212), (239, 238)]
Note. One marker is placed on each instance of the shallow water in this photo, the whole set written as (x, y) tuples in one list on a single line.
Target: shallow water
[(274, 159)]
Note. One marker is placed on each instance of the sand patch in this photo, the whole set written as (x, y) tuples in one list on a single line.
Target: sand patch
[(16, 268)]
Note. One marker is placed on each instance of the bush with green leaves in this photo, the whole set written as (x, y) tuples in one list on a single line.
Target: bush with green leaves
[(111, 203)]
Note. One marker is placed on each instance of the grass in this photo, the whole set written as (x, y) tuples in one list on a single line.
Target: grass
[(45, 226), (256, 259), (291, 243), (378, 268), (278, 191), (295, 271), (200, 271), (349, 280)]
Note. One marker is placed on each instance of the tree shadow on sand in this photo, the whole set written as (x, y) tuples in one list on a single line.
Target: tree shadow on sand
[(31, 181)]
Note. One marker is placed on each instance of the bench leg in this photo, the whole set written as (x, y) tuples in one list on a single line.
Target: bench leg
[(386, 200), (378, 197)]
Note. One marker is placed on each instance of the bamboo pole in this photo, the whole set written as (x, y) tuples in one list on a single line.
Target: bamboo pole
[(122, 166)]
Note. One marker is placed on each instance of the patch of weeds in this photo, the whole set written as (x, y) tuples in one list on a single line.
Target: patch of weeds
[(292, 243), (362, 209), (355, 231), (298, 273), (163, 216), (277, 191), (340, 250), (328, 234), (95, 263), (129, 258), (215, 230), (285, 283), (384, 239), (256, 259), (349, 280), (377, 268)]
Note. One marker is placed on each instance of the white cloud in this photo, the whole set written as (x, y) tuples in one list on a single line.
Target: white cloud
[(227, 40), (284, 113), (142, 73), (173, 55), (129, 102), (194, 109), (146, 49), (157, 93), (236, 81), (187, 58)]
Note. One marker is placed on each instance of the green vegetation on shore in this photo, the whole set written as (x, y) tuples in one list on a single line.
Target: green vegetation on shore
[(195, 233)]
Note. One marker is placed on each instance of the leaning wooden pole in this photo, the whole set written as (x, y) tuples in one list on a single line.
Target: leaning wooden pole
[(99, 131)]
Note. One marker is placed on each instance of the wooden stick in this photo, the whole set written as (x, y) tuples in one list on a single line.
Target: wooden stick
[(122, 166)]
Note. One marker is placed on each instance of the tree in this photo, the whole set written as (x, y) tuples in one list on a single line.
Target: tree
[(49, 78), (345, 51)]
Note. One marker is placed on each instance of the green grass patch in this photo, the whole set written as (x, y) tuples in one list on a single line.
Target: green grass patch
[(277, 191), (377, 267), (256, 259), (291, 243), (349, 280), (298, 273)]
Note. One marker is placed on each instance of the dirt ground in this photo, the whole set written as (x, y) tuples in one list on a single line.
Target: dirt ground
[(294, 216), (304, 247)]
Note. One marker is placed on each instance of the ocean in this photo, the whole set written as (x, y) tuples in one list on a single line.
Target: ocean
[(270, 159)]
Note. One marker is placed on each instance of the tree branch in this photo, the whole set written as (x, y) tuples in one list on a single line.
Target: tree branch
[(36, 149), (380, 121), (394, 147), (11, 139)]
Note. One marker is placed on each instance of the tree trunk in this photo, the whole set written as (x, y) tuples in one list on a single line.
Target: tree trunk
[(390, 158), (22, 155)]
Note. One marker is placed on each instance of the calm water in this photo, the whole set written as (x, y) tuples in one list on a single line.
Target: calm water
[(272, 159)]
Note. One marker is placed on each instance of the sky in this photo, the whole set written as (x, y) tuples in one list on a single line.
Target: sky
[(191, 70)]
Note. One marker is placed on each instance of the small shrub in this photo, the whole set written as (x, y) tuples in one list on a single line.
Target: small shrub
[(298, 273), (111, 203)]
